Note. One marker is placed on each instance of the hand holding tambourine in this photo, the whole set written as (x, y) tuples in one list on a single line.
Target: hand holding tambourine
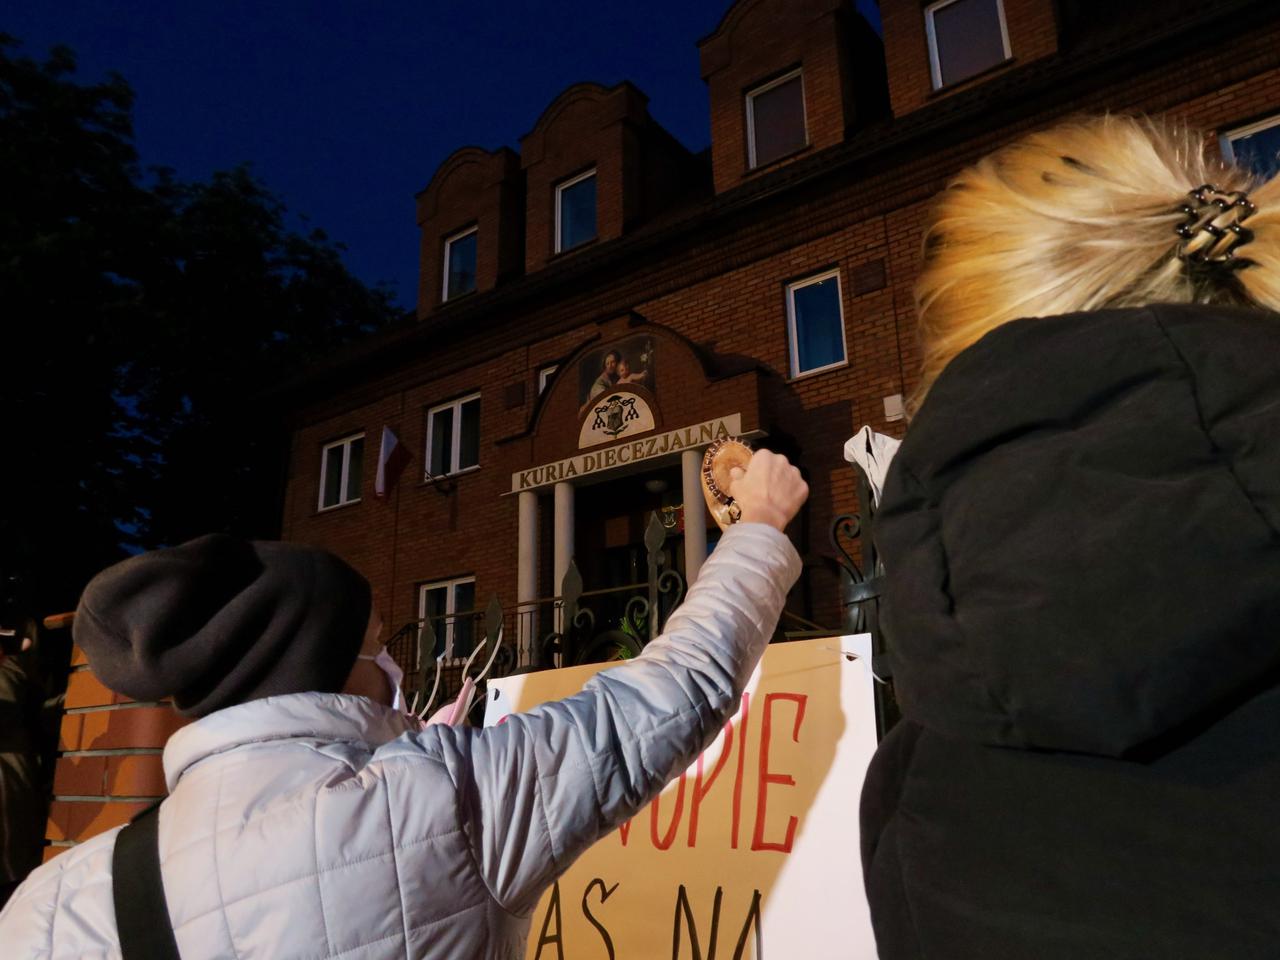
[(741, 486)]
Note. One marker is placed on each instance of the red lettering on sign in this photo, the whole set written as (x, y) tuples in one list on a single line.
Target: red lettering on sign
[(669, 837), (762, 797), (699, 790), (737, 783)]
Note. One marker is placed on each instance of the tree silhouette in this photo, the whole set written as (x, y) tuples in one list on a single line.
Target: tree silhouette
[(142, 321)]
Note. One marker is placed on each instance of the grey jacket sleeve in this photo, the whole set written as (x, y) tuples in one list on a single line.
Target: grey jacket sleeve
[(539, 789)]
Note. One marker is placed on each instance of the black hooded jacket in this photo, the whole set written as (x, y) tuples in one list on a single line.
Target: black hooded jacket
[(1081, 537)]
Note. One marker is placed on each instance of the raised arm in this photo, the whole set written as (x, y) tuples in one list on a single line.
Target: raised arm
[(542, 787)]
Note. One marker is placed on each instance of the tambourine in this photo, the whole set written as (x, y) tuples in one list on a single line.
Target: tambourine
[(721, 457)]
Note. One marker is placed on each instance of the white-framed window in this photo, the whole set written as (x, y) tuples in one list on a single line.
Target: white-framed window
[(965, 38), (544, 376), (453, 436), (341, 466), (449, 605), (1255, 147), (576, 211), (776, 124), (460, 263), (815, 323)]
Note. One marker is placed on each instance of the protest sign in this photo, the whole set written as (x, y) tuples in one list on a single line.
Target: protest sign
[(753, 852)]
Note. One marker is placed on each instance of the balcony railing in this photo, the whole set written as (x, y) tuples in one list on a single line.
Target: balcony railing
[(576, 626)]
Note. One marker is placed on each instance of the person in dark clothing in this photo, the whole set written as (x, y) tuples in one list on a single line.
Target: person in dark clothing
[(1081, 538), (21, 806)]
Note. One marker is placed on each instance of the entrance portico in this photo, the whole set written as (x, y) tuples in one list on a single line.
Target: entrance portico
[(608, 420), (683, 446)]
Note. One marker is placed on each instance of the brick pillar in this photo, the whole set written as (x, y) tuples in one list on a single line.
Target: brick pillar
[(109, 759)]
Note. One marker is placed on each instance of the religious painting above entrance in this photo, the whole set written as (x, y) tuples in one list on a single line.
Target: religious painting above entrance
[(628, 361), (613, 415)]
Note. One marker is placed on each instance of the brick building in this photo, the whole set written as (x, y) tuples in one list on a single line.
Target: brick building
[(594, 308), (762, 287)]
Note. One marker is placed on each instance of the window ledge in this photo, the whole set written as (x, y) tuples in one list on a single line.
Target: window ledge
[(777, 161), (338, 506), (810, 374), (432, 481), (977, 78), (455, 297), (557, 254)]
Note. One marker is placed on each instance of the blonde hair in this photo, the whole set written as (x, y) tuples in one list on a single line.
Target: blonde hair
[(1080, 217)]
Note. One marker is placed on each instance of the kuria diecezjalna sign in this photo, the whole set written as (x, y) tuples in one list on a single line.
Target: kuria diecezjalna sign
[(645, 448)]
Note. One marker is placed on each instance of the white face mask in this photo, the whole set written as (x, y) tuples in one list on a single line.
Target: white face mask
[(395, 675)]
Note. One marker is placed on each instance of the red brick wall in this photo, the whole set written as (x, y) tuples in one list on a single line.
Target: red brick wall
[(1033, 34), (722, 287), (586, 126), (109, 765), (744, 312), (472, 188), (757, 41), (464, 525), (424, 534), (363, 528)]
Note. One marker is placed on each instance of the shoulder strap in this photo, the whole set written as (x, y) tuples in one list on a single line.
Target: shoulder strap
[(142, 915)]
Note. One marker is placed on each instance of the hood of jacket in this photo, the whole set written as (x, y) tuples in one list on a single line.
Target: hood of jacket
[(1079, 531), (338, 719)]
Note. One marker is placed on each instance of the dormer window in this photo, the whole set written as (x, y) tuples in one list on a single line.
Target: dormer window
[(966, 37), (460, 264), (775, 119), (576, 211)]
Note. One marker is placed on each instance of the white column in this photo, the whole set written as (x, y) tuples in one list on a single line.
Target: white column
[(527, 571), (563, 551), (695, 518)]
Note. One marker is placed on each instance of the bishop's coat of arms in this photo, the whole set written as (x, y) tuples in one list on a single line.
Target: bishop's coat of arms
[(614, 416)]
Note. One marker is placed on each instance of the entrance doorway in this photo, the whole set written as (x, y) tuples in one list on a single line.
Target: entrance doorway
[(611, 520)]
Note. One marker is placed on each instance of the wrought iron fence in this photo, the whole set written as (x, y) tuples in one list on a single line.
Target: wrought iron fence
[(433, 651), (613, 623), (589, 626), (860, 587), (575, 626)]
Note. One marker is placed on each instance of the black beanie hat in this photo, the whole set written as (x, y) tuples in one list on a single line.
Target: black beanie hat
[(218, 621)]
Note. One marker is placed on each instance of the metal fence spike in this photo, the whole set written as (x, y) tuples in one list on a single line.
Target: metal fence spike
[(571, 585), (426, 652), (655, 534), (493, 619)]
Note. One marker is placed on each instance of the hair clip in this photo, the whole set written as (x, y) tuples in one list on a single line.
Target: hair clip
[(1211, 231)]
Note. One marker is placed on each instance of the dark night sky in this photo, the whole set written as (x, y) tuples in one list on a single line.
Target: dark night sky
[(346, 109)]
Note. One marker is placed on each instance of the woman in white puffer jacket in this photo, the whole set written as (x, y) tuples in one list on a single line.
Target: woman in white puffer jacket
[(307, 821)]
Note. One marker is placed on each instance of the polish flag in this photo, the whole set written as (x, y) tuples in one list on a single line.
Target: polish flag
[(392, 459)]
